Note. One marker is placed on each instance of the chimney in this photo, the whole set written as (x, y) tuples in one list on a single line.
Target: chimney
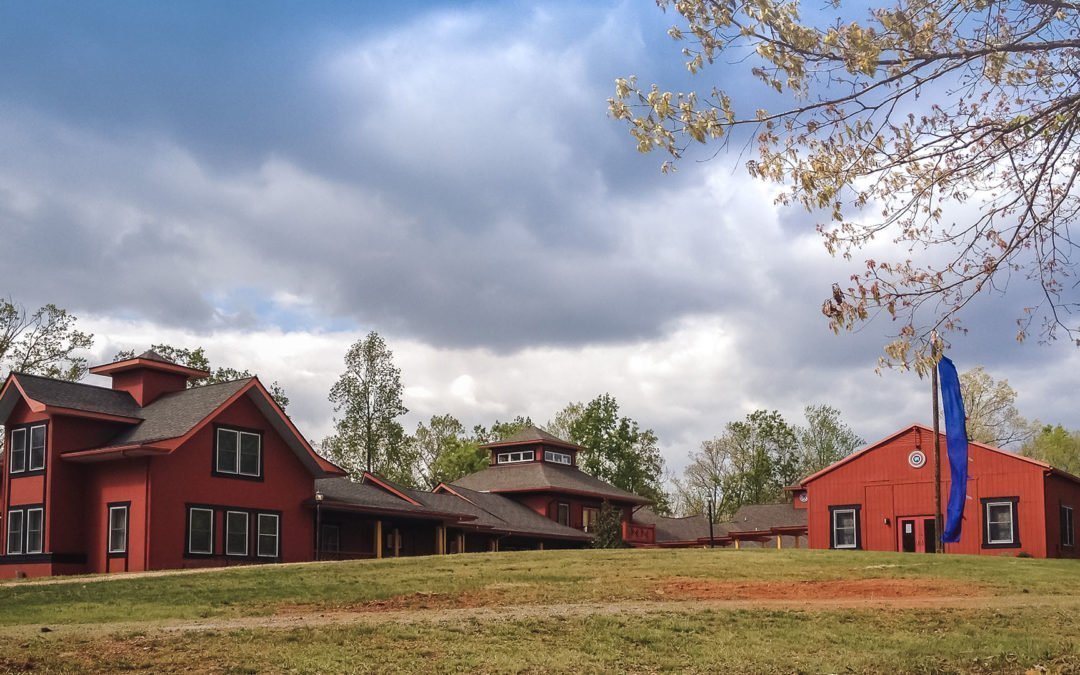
[(148, 376)]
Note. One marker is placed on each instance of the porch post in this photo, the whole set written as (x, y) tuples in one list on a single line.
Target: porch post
[(378, 538), (397, 543), (461, 542), (736, 544), (778, 544), (440, 543), (541, 547)]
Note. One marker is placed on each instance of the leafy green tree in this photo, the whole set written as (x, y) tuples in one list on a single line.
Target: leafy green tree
[(42, 342), (367, 403), (750, 463), (560, 425), (466, 456), (992, 416), (501, 431), (442, 434), (196, 358), (619, 451), (892, 117), (607, 531), (1056, 446), (825, 439)]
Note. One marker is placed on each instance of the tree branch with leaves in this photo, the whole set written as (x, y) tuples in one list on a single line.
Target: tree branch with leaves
[(950, 128)]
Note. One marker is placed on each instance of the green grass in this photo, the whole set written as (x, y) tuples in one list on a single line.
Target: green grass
[(628, 634)]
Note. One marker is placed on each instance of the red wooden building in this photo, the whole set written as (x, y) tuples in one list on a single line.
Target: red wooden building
[(881, 498), (149, 474), (540, 471)]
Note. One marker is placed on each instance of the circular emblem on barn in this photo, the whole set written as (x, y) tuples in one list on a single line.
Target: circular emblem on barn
[(803, 497), (916, 459)]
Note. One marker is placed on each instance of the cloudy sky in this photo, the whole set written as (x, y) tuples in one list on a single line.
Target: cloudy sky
[(274, 180)]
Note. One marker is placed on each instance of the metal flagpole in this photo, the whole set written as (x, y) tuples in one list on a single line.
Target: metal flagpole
[(938, 548)]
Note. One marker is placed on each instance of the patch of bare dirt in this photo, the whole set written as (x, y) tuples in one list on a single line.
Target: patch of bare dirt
[(684, 588)]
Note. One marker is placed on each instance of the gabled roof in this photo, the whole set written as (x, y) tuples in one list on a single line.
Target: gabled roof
[(532, 435), (930, 436), (174, 415), (50, 392), (510, 516), (544, 477), (368, 496)]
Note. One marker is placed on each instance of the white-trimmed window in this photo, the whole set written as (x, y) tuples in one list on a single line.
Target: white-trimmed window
[(35, 522), (118, 529), (557, 457), (236, 533), (15, 532), (269, 529), (1000, 523), (17, 461), (37, 448), (845, 528), (515, 457), (200, 531), (1068, 534), (238, 452)]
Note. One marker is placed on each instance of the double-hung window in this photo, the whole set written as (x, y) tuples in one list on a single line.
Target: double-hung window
[(563, 513), (269, 529), (236, 533), (589, 518), (118, 529), (1000, 518), (200, 531), (845, 527), (27, 449), (238, 453), (35, 523), (1068, 534), (15, 532)]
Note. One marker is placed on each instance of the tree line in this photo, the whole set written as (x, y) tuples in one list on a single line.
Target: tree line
[(750, 462)]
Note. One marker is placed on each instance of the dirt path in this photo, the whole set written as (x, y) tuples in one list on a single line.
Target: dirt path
[(315, 618)]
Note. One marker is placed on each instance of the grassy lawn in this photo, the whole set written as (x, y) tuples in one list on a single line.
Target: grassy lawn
[(631, 621)]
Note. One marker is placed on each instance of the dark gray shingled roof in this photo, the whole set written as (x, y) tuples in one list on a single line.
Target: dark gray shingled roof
[(764, 516), (174, 415), (543, 476), (531, 435), (79, 396), (151, 355), (517, 517), (366, 494), (689, 528)]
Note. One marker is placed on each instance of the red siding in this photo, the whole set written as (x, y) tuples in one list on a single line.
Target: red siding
[(1060, 492), (184, 477), (887, 488)]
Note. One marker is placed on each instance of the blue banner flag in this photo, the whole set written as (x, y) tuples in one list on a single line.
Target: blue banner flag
[(956, 436)]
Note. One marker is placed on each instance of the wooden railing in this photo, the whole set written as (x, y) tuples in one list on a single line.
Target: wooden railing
[(639, 533)]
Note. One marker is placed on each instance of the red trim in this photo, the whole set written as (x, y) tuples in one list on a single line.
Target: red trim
[(72, 412), (131, 364), (34, 406), (118, 452), (389, 488), (535, 441), (324, 464), (632, 499)]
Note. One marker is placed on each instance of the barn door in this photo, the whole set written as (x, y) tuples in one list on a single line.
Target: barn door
[(907, 535)]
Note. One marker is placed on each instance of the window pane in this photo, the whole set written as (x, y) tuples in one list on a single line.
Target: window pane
[(200, 531), (118, 516), (226, 451), (236, 533), (37, 448), (249, 454), (1000, 523), (18, 450), (331, 539), (33, 531), (15, 532), (268, 535), (844, 529)]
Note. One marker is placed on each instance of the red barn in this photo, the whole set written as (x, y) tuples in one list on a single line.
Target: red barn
[(149, 474), (882, 499)]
